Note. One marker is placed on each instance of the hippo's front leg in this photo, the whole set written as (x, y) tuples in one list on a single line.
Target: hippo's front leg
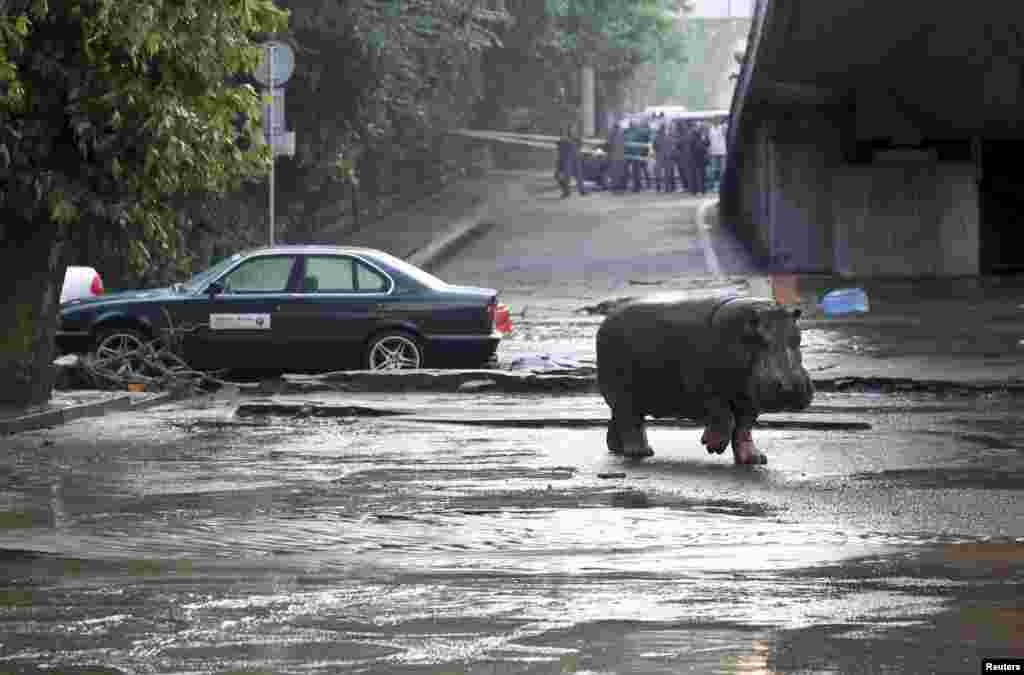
[(627, 435), (743, 449), (719, 418)]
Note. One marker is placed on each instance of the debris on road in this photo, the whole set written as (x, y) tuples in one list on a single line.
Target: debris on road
[(309, 409), (843, 301), (605, 306), (477, 385), (154, 366), (151, 367), (576, 380), (543, 362), (889, 385)]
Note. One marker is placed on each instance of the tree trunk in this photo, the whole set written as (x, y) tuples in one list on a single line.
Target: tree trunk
[(32, 260)]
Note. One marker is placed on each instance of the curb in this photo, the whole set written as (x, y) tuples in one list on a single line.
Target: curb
[(320, 410), (891, 385), (52, 418), (575, 382), (464, 230), (471, 381), (704, 229), (450, 241)]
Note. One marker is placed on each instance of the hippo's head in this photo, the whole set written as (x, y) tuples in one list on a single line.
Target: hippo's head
[(778, 378)]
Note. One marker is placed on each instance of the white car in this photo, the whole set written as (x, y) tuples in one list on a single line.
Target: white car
[(80, 282)]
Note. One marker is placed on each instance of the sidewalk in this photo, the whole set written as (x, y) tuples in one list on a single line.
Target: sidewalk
[(426, 231), (966, 332)]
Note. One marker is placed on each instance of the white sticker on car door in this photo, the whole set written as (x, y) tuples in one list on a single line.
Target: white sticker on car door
[(239, 322)]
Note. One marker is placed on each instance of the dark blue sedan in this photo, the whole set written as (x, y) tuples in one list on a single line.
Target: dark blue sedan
[(301, 308)]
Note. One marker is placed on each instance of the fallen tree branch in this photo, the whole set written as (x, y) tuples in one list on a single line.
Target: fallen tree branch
[(156, 365)]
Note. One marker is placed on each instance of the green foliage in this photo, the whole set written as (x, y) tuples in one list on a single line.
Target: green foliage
[(110, 109), (697, 80), (376, 84), (616, 34)]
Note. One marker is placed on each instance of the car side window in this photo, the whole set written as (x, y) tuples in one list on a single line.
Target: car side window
[(329, 275), (369, 280), (337, 274), (268, 274)]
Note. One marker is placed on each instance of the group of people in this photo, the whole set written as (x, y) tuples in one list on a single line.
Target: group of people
[(662, 154)]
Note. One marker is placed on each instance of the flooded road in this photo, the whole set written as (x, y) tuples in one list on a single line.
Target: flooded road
[(886, 533), (190, 539)]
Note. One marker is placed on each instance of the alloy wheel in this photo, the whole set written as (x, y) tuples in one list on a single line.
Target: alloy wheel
[(394, 352), (118, 344)]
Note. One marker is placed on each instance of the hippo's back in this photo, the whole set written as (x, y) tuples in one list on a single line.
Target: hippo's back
[(651, 351), (658, 322)]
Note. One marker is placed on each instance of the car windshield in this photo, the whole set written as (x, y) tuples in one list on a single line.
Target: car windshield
[(425, 278), (199, 281)]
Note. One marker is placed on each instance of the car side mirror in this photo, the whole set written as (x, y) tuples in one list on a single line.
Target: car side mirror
[(216, 288)]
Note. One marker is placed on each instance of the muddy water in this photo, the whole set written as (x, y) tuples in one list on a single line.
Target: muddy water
[(190, 540)]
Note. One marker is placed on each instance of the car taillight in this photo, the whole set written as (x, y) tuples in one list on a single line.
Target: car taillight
[(96, 287), (502, 319)]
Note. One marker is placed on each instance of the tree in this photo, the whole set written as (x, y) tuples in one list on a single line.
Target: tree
[(376, 83), (109, 111), (616, 35), (539, 65)]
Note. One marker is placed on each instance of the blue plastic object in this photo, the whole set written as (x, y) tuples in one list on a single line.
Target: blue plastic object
[(844, 301)]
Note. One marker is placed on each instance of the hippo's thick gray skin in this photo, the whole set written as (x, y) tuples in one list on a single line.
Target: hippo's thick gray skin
[(722, 361)]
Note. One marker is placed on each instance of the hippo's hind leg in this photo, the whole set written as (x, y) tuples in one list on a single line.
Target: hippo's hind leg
[(743, 449), (627, 435), (719, 428)]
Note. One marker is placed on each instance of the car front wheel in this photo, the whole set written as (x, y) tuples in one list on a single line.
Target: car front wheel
[(393, 351), (114, 344)]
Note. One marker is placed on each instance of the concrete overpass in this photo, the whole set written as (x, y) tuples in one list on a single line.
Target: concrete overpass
[(877, 138)]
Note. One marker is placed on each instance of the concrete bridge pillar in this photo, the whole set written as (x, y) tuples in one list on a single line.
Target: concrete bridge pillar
[(587, 100)]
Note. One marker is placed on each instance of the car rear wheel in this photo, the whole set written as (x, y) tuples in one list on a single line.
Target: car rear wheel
[(115, 343), (393, 351)]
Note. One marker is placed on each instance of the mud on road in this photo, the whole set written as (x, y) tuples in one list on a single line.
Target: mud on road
[(187, 538)]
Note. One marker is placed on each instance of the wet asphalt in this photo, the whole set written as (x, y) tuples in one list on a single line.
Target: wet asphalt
[(445, 533), (188, 538)]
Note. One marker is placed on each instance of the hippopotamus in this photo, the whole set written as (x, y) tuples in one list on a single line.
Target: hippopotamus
[(719, 360)]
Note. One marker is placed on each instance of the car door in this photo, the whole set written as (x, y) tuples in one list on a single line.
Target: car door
[(237, 320), (335, 309)]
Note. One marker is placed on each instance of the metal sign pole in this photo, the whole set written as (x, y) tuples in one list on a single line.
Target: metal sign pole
[(275, 69), (273, 161), (273, 158)]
